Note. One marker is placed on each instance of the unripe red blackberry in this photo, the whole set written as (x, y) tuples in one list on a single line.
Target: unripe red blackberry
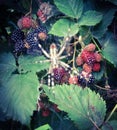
[(19, 23), (73, 79), (26, 22), (42, 36), (96, 67), (45, 112), (98, 56), (79, 60), (39, 13), (90, 47), (88, 57), (87, 68)]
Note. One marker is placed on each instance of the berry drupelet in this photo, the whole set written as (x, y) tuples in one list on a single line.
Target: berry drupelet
[(17, 35), (33, 37), (85, 79)]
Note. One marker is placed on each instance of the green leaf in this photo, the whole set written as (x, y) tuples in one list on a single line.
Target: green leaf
[(33, 63), (84, 32), (72, 8), (82, 105), (26, 64), (90, 18), (44, 127), (18, 91), (99, 30), (7, 66), (109, 50), (18, 97), (111, 125), (64, 27)]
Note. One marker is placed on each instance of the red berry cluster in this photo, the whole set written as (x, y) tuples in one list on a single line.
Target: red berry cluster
[(44, 12), (89, 59), (60, 75), (25, 22)]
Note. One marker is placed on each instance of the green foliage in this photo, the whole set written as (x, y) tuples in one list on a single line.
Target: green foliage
[(33, 63), (84, 32), (7, 66), (44, 127), (100, 29), (83, 106), (64, 27), (18, 92), (90, 18), (18, 97), (72, 8), (109, 51), (111, 125)]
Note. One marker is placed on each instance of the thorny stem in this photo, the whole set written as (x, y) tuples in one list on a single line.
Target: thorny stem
[(30, 9), (96, 44), (94, 124), (74, 57), (111, 113), (106, 89)]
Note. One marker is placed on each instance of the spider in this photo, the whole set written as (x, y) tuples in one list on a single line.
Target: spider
[(54, 57)]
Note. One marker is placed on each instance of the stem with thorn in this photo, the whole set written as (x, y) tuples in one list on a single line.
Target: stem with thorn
[(114, 109)]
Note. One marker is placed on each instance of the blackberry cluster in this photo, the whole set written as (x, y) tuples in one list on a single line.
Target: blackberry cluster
[(19, 46), (17, 38), (60, 75), (32, 37), (89, 59), (85, 79), (17, 35)]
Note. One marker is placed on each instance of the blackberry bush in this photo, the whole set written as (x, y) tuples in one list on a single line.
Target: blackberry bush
[(80, 36)]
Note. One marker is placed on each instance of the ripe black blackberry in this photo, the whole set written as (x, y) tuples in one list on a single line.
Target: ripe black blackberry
[(19, 46), (17, 35), (32, 37), (86, 80), (91, 79), (41, 29), (58, 73), (81, 80), (90, 60)]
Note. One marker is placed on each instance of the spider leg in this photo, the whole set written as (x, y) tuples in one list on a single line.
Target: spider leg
[(61, 50), (50, 77), (44, 52), (65, 65), (62, 57), (63, 47), (42, 61)]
